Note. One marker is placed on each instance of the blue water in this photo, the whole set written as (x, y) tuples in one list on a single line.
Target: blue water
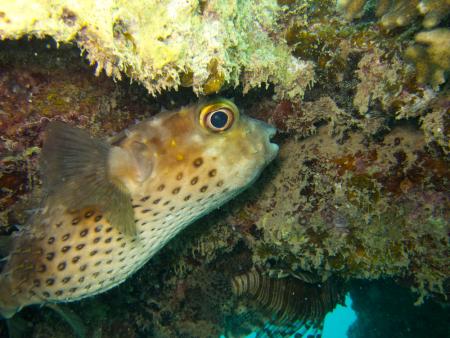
[(339, 320)]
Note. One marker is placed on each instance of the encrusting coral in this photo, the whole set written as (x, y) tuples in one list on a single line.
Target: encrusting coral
[(165, 44)]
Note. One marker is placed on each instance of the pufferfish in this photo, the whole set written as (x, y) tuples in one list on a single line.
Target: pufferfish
[(110, 206)]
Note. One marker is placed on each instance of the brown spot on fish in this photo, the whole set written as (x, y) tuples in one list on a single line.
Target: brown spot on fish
[(88, 214), (176, 190), (108, 240), (84, 232), (65, 237), (98, 218), (75, 221), (198, 162), (66, 279), (65, 248), (61, 266), (37, 283), (59, 293), (81, 279), (194, 180), (76, 259), (220, 183), (98, 228), (161, 187), (108, 230), (93, 252), (80, 246), (179, 176), (83, 267), (50, 281), (97, 239), (51, 240), (212, 173), (156, 201), (187, 197), (145, 198), (204, 188)]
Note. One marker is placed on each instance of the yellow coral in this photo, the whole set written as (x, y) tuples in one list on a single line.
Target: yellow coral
[(431, 56), (167, 43), (434, 11)]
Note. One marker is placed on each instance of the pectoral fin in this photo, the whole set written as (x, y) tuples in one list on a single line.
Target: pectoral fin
[(75, 172)]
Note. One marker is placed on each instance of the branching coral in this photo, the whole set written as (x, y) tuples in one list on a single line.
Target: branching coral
[(165, 44), (431, 55), (431, 60), (398, 13)]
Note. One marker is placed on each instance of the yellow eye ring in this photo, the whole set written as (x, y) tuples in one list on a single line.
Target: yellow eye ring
[(218, 116)]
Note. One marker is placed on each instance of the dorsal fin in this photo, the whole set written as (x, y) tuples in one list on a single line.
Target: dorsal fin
[(75, 172)]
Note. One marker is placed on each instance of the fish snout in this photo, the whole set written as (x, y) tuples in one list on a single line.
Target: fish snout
[(263, 133)]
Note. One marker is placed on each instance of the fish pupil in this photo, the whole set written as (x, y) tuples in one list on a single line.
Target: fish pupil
[(219, 119)]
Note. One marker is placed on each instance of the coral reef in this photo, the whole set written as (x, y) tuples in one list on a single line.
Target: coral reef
[(360, 190), (165, 44), (430, 54)]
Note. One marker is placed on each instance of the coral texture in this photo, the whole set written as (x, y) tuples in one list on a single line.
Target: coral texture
[(165, 44), (430, 54)]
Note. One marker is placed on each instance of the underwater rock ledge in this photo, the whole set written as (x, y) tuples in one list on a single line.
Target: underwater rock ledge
[(206, 45)]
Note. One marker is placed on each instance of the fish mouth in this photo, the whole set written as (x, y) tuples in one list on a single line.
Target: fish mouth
[(272, 148)]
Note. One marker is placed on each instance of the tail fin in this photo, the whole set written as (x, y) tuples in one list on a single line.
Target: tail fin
[(70, 317), (8, 307)]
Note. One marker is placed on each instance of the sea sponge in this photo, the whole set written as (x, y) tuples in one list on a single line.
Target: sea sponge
[(163, 44)]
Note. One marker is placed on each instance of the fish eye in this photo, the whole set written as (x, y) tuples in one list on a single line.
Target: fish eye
[(218, 117), (219, 120)]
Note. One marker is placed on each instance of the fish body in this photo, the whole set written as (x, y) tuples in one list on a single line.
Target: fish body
[(110, 206)]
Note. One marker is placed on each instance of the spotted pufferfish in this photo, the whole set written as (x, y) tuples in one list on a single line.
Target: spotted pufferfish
[(111, 205)]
